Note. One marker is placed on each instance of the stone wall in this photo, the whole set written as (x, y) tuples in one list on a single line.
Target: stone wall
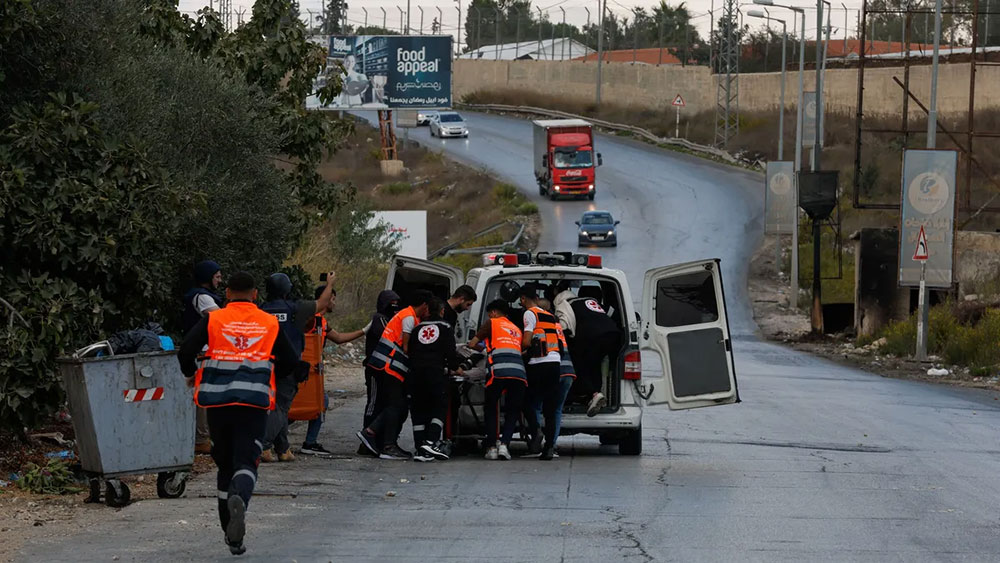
[(652, 86)]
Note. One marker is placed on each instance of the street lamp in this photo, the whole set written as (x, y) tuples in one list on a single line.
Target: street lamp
[(798, 145), (458, 34), (781, 114)]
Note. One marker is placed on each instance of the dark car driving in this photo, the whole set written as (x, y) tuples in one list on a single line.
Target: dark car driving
[(597, 228)]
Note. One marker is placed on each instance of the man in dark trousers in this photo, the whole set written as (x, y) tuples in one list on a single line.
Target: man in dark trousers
[(432, 355), (458, 303), (391, 362), (506, 377), (593, 336), (199, 301), (386, 307), (543, 348), (293, 317), (236, 385)]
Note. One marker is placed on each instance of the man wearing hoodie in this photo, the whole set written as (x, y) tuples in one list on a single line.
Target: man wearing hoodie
[(386, 306), (199, 301)]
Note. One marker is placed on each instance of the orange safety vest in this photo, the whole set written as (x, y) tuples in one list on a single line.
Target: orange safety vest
[(503, 349), (237, 369), (547, 329), (388, 355)]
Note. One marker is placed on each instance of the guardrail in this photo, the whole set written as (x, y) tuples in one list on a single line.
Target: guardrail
[(648, 135), (453, 247)]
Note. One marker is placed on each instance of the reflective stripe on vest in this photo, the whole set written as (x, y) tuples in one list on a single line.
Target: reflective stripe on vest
[(566, 368), (547, 329), (238, 369), (388, 355), (504, 348)]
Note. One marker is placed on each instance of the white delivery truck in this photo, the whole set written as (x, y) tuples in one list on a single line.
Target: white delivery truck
[(681, 324)]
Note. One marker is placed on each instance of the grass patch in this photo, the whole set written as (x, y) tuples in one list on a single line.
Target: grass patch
[(510, 199), (972, 345), (397, 188)]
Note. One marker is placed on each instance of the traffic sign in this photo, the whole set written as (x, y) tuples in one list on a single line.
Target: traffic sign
[(921, 254), (678, 101)]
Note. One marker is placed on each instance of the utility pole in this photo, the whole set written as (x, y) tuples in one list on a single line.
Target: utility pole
[(496, 47), (421, 31), (845, 28), (601, 4), (562, 48), (540, 49), (458, 36)]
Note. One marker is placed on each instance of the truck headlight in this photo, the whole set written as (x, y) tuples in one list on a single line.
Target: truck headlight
[(591, 187)]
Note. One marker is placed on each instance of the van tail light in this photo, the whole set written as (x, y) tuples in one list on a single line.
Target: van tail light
[(633, 365), (594, 261)]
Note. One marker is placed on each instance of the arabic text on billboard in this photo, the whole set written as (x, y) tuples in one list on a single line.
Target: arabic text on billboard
[(928, 195), (388, 72)]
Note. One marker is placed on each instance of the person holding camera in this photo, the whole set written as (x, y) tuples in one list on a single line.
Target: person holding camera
[(293, 318)]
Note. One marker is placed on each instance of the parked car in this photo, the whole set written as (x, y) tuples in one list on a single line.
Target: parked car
[(448, 124), (424, 117), (597, 228)]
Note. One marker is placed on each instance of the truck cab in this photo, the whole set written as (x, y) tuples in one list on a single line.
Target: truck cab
[(674, 350), (565, 161)]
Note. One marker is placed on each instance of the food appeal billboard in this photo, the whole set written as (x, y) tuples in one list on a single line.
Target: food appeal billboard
[(387, 72)]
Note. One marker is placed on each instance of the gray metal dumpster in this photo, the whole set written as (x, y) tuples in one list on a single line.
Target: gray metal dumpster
[(133, 414)]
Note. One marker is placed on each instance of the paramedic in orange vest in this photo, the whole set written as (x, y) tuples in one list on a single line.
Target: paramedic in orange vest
[(506, 376), (235, 383), (543, 349), (391, 364)]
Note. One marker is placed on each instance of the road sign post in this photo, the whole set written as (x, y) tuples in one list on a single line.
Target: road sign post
[(678, 103), (921, 254)]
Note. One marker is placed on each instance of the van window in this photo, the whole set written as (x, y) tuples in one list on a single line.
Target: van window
[(686, 300), (408, 281)]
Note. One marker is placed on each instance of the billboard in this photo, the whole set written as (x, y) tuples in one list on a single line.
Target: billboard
[(779, 198), (809, 121), (387, 72), (928, 196), (408, 229)]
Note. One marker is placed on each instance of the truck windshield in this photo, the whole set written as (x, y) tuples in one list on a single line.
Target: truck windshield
[(573, 159)]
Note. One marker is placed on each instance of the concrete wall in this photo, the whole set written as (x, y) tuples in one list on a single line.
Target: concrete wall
[(977, 260), (651, 86)]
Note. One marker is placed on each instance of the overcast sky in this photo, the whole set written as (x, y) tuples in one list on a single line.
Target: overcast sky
[(575, 12)]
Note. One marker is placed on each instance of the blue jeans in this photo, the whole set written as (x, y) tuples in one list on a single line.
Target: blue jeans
[(564, 385), (312, 432)]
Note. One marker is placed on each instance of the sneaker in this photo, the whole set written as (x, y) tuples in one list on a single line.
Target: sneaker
[(392, 451), (267, 456), (503, 452), (434, 450), (492, 453), (368, 441), (547, 454), (535, 444), (314, 449), (287, 456), (363, 450), (423, 457), (597, 402), (237, 526)]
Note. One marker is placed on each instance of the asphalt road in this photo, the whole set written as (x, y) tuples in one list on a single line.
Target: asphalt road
[(820, 462)]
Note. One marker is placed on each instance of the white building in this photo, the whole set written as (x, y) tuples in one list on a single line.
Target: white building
[(560, 49)]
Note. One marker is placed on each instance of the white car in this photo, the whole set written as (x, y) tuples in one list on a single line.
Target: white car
[(425, 116), (448, 124), (682, 327)]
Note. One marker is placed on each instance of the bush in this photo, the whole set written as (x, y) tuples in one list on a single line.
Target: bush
[(397, 188), (970, 345), (90, 232), (527, 208)]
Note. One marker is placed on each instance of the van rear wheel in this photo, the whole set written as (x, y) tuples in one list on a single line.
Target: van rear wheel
[(631, 442)]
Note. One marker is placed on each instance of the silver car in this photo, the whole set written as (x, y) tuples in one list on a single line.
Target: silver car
[(425, 116), (448, 124)]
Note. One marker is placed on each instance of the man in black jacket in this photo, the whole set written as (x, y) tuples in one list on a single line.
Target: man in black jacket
[(432, 355), (386, 306)]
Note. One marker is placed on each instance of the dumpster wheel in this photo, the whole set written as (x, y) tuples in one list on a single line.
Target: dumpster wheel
[(171, 484), (116, 493)]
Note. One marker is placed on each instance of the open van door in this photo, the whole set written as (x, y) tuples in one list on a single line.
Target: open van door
[(407, 275), (684, 321)]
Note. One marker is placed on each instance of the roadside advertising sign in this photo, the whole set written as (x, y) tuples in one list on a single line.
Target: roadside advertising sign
[(779, 197), (408, 229), (809, 114), (387, 72), (928, 209)]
